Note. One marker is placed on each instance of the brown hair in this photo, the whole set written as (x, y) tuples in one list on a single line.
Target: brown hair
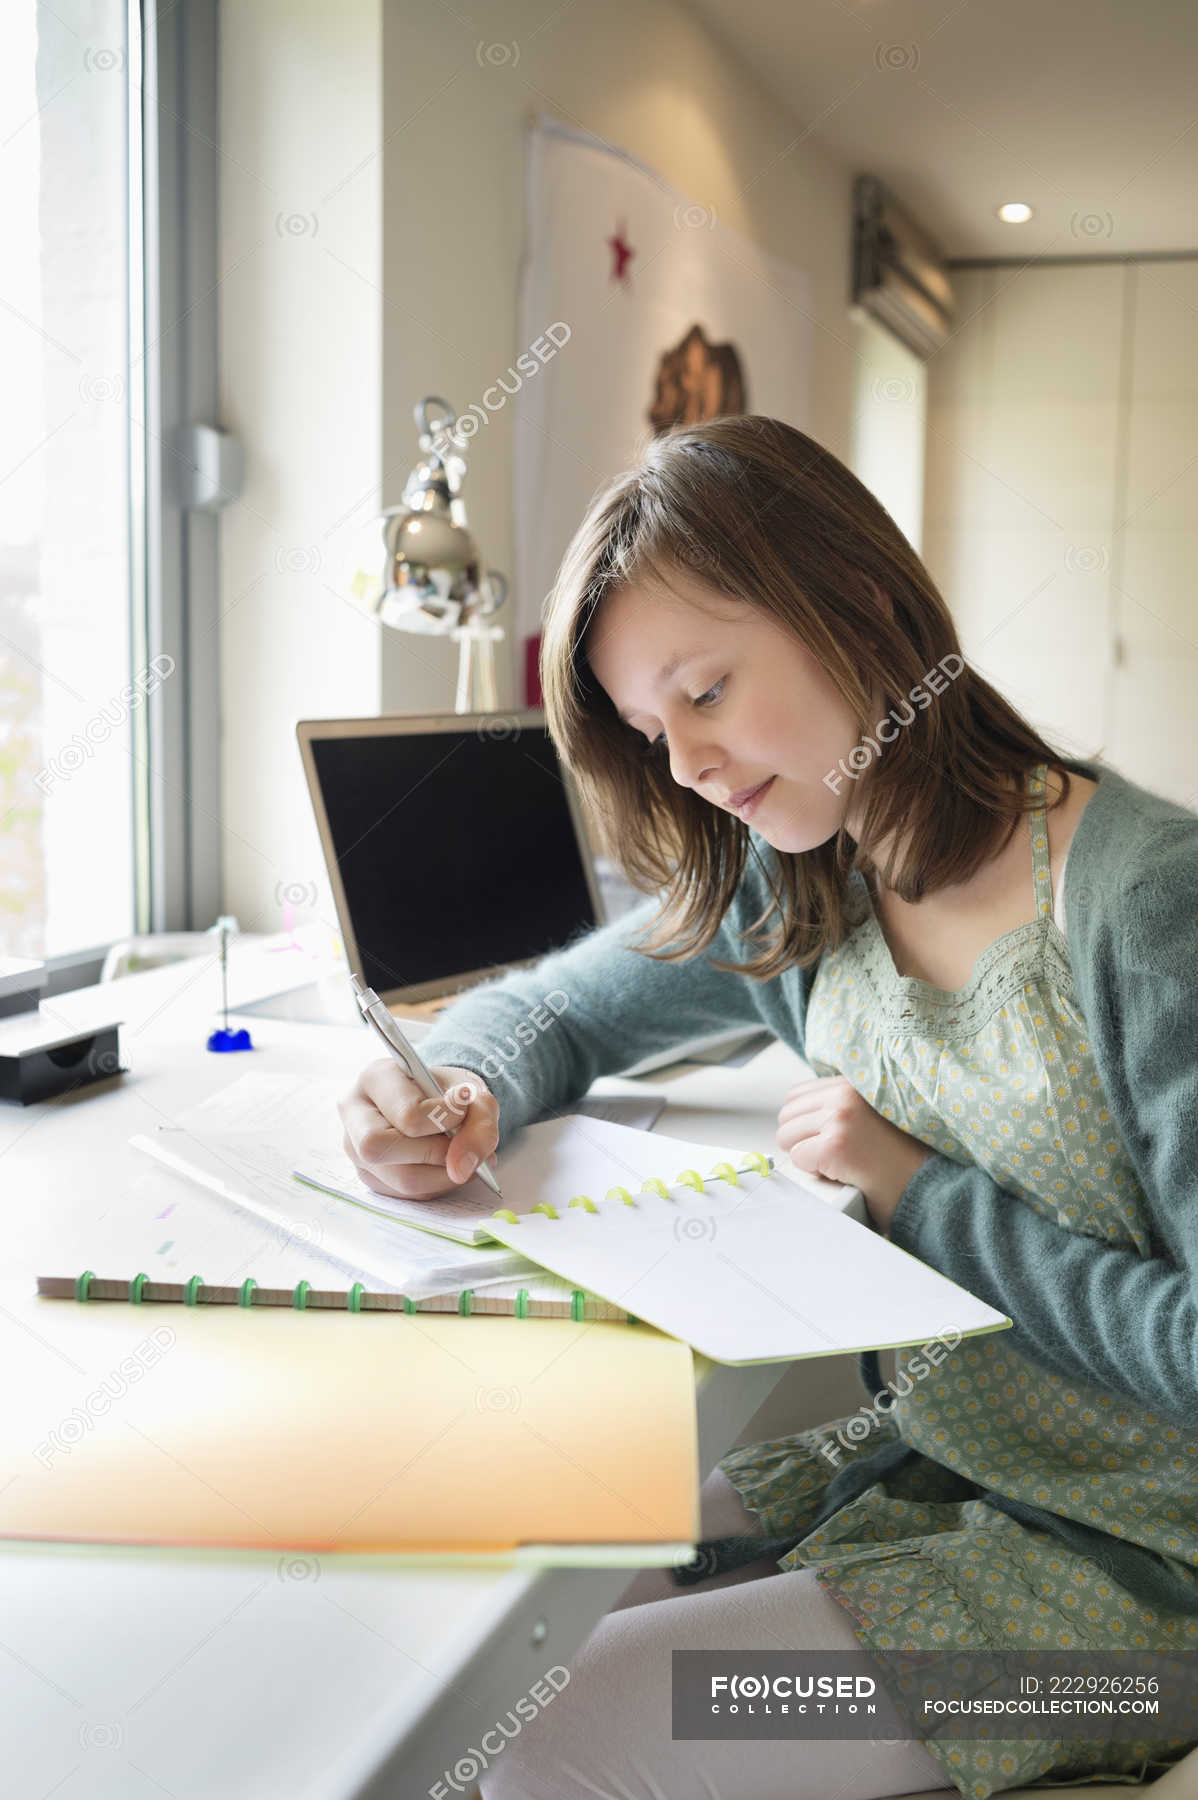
[(759, 511)]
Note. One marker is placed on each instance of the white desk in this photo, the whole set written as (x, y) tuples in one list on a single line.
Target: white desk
[(132, 1672)]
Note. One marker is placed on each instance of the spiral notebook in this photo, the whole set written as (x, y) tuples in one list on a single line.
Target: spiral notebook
[(534, 1296), (738, 1261), (353, 1258), (744, 1265)]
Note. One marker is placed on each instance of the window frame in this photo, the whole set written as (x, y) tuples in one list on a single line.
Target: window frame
[(179, 774), (172, 75)]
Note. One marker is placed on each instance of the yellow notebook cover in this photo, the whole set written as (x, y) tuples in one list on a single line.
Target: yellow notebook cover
[(418, 1436)]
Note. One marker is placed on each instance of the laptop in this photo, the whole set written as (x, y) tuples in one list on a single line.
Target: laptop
[(456, 849), (455, 846)]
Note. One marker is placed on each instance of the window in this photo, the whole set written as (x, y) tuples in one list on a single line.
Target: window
[(109, 720), (68, 694)]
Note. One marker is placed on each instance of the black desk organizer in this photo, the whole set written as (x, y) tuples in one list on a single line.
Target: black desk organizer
[(46, 1066)]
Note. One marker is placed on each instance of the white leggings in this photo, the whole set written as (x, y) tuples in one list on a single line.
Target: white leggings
[(606, 1735)]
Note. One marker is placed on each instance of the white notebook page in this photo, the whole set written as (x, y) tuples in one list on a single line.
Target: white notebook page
[(758, 1272)]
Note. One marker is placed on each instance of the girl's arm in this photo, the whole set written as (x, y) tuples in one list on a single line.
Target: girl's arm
[(538, 1037), (1085, 1309)]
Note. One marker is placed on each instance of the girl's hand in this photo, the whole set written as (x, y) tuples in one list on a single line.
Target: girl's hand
[(400, 1142), (829, 1130)]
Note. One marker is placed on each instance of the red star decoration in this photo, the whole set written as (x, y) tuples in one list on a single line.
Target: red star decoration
[(622, 252)]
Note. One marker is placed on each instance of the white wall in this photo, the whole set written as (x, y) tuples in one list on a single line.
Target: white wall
[(406, 285), (301, 385), (1154, 546), (890, 393), (1061, 500)]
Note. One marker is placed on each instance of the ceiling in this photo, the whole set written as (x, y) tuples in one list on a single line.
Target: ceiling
[(1085, 109)]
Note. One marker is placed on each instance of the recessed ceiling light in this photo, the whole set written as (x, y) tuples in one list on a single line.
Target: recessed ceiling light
[(1014, 212)]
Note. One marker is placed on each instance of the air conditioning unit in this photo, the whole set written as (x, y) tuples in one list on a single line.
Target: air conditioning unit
[(899, 276)]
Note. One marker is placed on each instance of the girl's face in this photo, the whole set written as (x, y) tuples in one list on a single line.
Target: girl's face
[(745, 704)]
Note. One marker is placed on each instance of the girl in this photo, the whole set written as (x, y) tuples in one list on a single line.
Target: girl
[(850, 835)]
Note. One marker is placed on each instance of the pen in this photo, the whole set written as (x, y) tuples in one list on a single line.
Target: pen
[(376, 1014)]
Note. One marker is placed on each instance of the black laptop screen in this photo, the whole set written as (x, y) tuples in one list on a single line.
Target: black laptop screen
[(456, 850)]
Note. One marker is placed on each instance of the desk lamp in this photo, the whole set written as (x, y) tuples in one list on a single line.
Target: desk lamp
[(423, 570)]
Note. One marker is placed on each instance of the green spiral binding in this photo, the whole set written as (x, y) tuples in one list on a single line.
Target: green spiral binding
[(299, 1298), (245, 1293), (353, 1300), (191, 1292), (464, 1299), (135, 1287), (83, 1282), (755, 1160)]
